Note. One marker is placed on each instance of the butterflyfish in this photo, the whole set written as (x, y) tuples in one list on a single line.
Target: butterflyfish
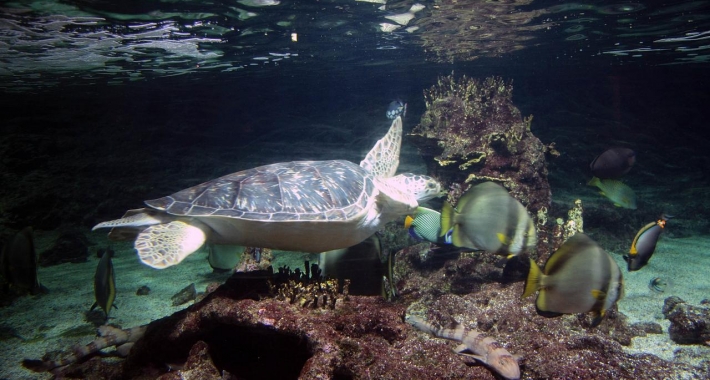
[(644, 244), (488, 218), (578, 278), (104, 285), (613, 163), (616, 191)]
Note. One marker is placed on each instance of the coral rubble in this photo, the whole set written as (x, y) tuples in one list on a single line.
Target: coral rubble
[(689, 324)]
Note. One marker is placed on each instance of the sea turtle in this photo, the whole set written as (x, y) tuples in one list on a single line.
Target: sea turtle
[(307, 206)]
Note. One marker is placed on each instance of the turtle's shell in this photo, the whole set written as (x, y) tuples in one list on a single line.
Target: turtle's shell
[(336, 190)]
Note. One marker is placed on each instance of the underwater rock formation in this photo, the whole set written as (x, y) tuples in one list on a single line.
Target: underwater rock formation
[(472, 290), (689, 324), (471, 132)]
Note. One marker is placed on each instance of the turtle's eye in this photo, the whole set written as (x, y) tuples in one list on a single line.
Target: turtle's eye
[(431, 185)]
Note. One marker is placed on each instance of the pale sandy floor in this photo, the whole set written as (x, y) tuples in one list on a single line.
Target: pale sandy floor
[(684, 264), (41, 320)]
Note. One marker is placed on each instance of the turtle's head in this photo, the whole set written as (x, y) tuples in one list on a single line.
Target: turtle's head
[(421, 187)]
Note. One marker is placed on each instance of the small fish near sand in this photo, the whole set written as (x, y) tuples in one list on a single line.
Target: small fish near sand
[(613, 163), (579, 277), (644, 243), (18, 263), (474, 344), (104, 285), (616, 191), (396, 108), (488, 218), (658, 284)]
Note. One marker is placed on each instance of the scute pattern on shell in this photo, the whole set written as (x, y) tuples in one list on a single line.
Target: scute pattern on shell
[(298, 190)]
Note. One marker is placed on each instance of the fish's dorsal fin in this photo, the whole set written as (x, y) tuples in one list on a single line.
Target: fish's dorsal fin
[(383, 159)]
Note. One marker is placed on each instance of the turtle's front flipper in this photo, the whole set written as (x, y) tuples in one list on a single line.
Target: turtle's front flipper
[(164, 245), (383, 159)]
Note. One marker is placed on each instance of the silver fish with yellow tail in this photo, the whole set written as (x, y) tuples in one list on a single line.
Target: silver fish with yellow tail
[(644, 243), (104, 284), (488, 218), (579, 277)]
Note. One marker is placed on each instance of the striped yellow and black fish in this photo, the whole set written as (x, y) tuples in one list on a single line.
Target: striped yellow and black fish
[(579, 277), (18, 263), (616, 191), (644, 244), (105, 284), (488, 218)]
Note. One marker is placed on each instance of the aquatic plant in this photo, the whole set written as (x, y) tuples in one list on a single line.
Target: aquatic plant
[(307, 289)]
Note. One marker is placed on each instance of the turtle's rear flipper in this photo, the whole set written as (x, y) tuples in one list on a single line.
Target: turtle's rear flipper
[(133, 218), (164, 245)]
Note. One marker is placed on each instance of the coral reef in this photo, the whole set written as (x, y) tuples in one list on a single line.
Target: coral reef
[(254, 258), (464, 30), (308, 289), (689, 324), (241, 330), (471, 132)]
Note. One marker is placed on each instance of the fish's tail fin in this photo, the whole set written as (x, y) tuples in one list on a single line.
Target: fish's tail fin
[(408, 222), (447, 218), (532, 283), (597, 319), (594, 181)]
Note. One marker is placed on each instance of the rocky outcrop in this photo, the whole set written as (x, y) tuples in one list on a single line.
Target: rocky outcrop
[(689, 324)]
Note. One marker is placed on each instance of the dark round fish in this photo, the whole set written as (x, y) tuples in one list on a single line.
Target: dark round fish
[(18, 263), (396, 108), (613, 163)]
